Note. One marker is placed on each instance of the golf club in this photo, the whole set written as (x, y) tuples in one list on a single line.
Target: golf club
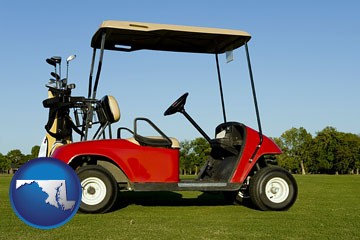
[(69, 59), (55, 75), (57, 60)]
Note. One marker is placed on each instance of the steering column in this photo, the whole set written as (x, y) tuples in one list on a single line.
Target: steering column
[(179, 106)]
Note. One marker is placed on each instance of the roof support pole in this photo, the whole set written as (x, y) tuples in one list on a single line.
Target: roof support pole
[(255, 102), (100, 64), (87, 118), (91, 72), (253, 89), (220, 86), (90, 111)]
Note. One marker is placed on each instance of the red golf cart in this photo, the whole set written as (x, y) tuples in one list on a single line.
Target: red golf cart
[(241, 162)]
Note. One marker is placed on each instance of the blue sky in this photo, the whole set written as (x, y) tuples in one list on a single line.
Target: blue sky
[(305, 58)]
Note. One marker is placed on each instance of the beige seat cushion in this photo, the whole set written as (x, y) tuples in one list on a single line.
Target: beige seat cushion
[(174, 142), (113, 107)]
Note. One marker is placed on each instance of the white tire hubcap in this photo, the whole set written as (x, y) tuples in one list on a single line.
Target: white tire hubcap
[(277, 190), (93, 191)]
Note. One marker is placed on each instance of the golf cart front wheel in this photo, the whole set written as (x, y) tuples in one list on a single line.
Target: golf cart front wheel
[(273, 188), (99, 189)]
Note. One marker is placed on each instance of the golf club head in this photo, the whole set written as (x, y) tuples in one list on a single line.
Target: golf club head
[(70, 58), (51, 62), (63, 82), (56, 59), (51, 80), (71, 86), (55, 75)]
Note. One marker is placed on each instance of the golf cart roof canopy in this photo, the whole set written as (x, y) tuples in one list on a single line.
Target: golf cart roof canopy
[(132, 36)]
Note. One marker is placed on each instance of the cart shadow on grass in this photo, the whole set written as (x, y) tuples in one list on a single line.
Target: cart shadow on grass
[(171, 199)]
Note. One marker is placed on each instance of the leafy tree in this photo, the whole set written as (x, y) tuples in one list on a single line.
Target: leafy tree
[(5, 163), (329, 153), (202, 151), (350, 153), (27, 158), (35, 151), (34, 154), (356, 163), (16, 157), (324, 141), (193, 155), (185, 153), (295, 144)]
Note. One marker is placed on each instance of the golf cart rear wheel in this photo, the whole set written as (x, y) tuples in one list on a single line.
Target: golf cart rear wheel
[(99, 189), (273, 188)]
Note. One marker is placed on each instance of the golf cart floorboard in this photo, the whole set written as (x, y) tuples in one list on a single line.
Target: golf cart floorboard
[(187, 185)]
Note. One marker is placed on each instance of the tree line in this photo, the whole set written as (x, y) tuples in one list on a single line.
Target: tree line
[(15, 158), (329, 152)]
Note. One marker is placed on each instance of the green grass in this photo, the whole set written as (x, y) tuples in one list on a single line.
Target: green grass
[(328, 207)]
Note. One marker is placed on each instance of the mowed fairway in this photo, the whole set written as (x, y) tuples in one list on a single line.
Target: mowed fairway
[(328, 207)]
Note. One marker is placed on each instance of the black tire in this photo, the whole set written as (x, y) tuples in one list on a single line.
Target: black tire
[(99, 189), (273, 188)]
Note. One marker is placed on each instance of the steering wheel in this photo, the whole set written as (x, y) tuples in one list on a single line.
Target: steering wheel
[(177, 106)]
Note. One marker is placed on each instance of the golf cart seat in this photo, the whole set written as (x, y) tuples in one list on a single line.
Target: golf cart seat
[(110, 111), (229, 139), (153, 141)]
